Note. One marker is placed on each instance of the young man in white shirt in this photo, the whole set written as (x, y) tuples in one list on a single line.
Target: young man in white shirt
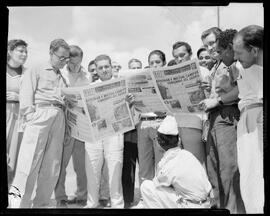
[(110, 149)]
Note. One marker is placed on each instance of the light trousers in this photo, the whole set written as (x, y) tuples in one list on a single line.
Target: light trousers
[(164, 197), (40, 157), (110, 149), (76, 149), (250, 159), (149, 151), (13, 138)]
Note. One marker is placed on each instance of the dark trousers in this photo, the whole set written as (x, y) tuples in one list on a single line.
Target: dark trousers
[(221, 154), (128, 172)]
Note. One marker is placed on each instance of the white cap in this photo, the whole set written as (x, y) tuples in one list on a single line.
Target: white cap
[(168, 126)]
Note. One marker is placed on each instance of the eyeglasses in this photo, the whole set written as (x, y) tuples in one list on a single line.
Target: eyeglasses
[(62, 58), (204, 57)]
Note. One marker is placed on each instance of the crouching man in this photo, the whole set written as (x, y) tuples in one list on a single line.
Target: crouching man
[(180, 180)]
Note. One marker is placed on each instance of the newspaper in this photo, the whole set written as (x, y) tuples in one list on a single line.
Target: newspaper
[(141, 84), (76, 117), (100, 110), (173, 89), (179, 87)]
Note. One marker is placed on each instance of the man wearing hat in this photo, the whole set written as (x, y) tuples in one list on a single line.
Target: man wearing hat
[(180, 180)]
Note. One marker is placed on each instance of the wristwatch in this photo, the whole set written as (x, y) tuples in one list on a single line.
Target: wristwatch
[(220, 101)]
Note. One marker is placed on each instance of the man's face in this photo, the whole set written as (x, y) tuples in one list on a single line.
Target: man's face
[(155, 61), (60, 57), (74, 63), (135, 65), (115, 69), (204, 58), (225, 55), (92, 71), (242, 54), (181, 54), (210, 44), (104, 69)]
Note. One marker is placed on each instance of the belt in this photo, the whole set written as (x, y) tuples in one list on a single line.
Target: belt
[(50, 105), (12, 101), (181, 200), (152, 118), (251, 106)]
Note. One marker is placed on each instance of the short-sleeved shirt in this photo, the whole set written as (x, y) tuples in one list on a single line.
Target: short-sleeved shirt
[(40, 84), (182, 170)]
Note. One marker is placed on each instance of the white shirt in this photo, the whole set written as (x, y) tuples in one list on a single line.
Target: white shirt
[(250, 85), (75, 79), (182, 170)]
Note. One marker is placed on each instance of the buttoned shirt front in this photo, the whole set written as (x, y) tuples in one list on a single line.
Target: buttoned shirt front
[(181, 170), (40, 84)]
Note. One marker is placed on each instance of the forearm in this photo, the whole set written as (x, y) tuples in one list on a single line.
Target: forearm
[(231, 96)]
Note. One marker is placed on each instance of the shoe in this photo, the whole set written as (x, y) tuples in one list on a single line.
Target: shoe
[(105, 202), (61, 204), (14, 197), (77, 201), (140, 205), (127, 205)]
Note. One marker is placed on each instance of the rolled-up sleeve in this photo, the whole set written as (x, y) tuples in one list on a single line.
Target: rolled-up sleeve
[(27, 91)]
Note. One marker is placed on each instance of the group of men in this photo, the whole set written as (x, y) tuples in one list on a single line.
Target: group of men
[(184, 172)]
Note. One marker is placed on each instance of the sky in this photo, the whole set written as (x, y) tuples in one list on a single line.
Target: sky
[(123, 32)]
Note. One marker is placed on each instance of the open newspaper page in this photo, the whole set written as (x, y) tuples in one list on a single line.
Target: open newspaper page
[(76, 115), (141, 85), (179, 87), (107, 108)]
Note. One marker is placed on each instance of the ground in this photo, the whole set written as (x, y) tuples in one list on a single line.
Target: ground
[(71, 186)]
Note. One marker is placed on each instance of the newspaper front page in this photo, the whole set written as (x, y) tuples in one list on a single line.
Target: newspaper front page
[(173, 89), (141, 84), (104, 110), (179, 88)]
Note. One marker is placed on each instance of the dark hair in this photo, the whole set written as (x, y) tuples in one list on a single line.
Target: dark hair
[(91, 62), (171, 63), (200, 50), (167, 140), (75, 51), (160, 54), (103, 57), (134, 60), (57, 43), (252, 36), (12, 44), (215, 30), (225, 38), (181, 43)]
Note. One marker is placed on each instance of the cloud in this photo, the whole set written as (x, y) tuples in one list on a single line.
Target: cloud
[(123, 32), (236, 16)]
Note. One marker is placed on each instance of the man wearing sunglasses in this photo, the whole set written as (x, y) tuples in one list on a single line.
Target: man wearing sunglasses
[(41, 106)]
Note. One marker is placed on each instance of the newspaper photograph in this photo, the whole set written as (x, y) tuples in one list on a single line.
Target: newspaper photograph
[(141, 85), (107, 109), (179, 87), (76, 117)]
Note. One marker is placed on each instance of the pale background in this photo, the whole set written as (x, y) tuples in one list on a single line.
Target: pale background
[(123, 32)]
